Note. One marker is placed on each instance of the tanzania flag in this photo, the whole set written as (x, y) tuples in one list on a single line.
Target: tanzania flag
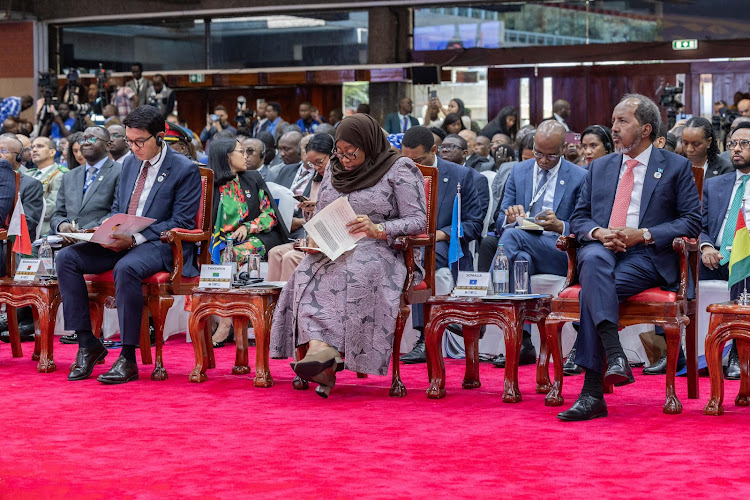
[(217, 242), (739, 259)]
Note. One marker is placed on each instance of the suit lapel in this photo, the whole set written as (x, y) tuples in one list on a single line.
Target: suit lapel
[(443, 181), (76, 196), (129, 184), (656, 164), (725, 198), (562, 181), (609, 190), (528, 187), (97, 181), (166, 166)]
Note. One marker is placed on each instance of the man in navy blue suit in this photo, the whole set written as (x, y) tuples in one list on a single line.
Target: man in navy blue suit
[(419, 145), (156, 182), (722, 201), (632, 205), (546, 188)]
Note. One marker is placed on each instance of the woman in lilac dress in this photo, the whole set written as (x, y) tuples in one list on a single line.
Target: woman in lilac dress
[(349, 306)]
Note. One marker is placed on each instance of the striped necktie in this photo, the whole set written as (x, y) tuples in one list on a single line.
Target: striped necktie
[(731, 224), (138, 191)]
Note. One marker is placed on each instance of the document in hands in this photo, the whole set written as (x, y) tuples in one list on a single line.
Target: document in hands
[(117, 224), (328, 229), (529, 224)]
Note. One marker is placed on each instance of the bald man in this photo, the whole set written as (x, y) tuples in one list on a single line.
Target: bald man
[(561, 112), (743, 107)]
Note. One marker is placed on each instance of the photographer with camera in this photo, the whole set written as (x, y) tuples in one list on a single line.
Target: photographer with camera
[(161, 96), (243, 116), (215, 123)]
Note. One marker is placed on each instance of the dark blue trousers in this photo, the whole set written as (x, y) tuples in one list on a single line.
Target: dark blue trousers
[(608, 278), (129, 267)]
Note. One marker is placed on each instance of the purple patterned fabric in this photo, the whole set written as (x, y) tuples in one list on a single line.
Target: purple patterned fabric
[(352, 303)]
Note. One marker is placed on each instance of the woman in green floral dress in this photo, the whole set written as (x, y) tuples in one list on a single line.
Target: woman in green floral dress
[(243, 210)]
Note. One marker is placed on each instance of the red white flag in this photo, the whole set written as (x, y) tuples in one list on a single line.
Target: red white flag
[(20, 230)]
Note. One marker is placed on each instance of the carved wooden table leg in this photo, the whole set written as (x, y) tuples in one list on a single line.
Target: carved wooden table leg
[(433, 347), (196, 326), (47, 320), (714, 347), (15, 340), (262, 327), (241, 366), (471, 347), (513, 337), (743, 352)]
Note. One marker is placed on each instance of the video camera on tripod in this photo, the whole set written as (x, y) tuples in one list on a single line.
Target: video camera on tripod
[(669, 100), (243, 115), (48, 85)]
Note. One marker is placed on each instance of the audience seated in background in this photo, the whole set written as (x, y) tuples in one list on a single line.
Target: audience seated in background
[(350, 305), (117, 147), (47, 172), (701, 148), (306, 121), (505, 122), (75, 158), (480, 158), (274, 124), (140, 86)]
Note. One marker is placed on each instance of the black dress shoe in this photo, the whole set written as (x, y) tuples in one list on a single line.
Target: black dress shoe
[(69, 339), (732, 371), (618, 372), (416, 355), (570, 367), (660, 367), (3, 322), (85, 361), (527, 356), (25, 331), (586, 407), (499, 361), (121, 372)]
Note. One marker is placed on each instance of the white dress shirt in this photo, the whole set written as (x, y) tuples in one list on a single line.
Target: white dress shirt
[(153, 171), (549, 191), (401, 122)]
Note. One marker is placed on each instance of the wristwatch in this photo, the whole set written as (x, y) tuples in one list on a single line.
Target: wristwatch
[(380, 228), (647, 239)]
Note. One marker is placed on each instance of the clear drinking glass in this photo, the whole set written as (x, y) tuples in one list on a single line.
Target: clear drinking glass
[(521, 276)]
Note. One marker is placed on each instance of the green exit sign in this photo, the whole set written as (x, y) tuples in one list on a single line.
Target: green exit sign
[(684, 44), (197, 78)]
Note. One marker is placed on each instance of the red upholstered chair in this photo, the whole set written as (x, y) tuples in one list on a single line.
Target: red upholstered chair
[(673, 311), (159, 290), (412, 293)]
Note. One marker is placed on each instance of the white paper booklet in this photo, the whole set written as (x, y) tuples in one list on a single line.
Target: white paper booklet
[(117, 224), (328, 229)]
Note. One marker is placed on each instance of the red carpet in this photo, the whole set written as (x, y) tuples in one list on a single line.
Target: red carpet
[(226, 438)]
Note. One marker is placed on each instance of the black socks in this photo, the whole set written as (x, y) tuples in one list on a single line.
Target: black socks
[(86, 339), (128, 352), (610, 335), (593, 384)]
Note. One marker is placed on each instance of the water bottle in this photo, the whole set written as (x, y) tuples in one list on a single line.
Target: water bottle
[(46, 256), (229, 259), (500, 270)]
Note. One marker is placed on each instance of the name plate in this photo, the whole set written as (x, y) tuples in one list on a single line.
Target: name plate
[(471, 284), (30, 270), (213, 276)]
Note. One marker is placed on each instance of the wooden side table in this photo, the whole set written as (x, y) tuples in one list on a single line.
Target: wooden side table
[(729, 320), (255, 305), (44, 298), (507, 314)]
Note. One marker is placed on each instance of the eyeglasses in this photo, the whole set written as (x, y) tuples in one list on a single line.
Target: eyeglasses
[(139, 143), (538, 155), (449, 147), (744, 144), (7, 152), (349, 156), (117, 136), (240, 151), (250, 152), (320, 162), (89, 140)]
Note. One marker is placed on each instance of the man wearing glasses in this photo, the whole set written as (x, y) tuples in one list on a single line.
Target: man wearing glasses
[(155, 182), (87, 192), (544, 189), (723, 198), (49, 173)]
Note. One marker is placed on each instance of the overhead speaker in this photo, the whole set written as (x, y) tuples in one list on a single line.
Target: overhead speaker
[(425, 75)]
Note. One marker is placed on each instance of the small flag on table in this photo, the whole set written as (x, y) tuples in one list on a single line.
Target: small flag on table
[(457, 231), (739, 258), (217, 245), (19, 229)]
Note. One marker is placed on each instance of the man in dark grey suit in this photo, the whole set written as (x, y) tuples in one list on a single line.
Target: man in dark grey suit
[(290, 151), (86, 193)]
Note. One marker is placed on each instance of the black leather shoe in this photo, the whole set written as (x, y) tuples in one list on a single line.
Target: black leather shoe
[(85, 361), (618, 372), (416, 355), (570, 367), (660, 367), (459, 330), (69, 339), (499, 361), (733, 367), (121, 372), (3, 322), (586, 407)]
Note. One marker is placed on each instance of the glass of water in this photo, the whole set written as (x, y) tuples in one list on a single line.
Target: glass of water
[(521, 276)]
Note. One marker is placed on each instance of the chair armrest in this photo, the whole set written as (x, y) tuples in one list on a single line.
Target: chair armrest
[(570, 245), (406, 245), (175, 237), (402, 242)]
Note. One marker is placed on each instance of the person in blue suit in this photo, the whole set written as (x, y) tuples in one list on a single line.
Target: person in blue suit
[(396, 123), (155, 182), (545, 188), (632, 205), (419, 145), (719, 220)]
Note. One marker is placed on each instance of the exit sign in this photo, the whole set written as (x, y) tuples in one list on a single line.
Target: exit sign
[(197, 78), (684, 44)]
